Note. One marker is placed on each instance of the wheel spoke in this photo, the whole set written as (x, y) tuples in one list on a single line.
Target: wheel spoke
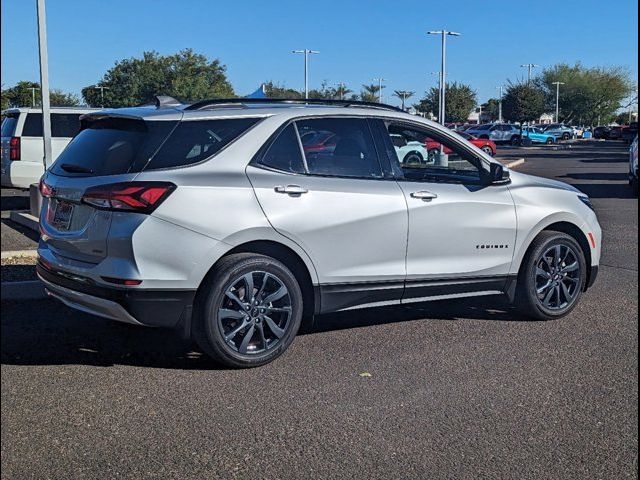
[(246, 340), (248, 281), (544, 287), (547, 298), (571, 268), (232, 334), (235, 298), (541, 272), (265, 279), (565, 291), (228, 313), (279, 309), (558, 255), (277, 295), (277, 331), (263, 339)]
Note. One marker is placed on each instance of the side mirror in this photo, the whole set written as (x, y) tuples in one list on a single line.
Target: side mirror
[(498, 175)]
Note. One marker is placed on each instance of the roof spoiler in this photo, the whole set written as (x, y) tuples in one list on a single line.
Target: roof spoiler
[(165, 101)]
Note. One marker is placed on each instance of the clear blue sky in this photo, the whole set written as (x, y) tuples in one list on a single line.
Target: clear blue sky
[(358, 40)]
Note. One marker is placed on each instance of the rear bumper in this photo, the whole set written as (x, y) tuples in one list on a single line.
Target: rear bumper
[(156, 308)]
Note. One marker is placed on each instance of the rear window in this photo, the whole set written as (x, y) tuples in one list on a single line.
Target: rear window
[(9, 124), (194, 141), (111, 146)]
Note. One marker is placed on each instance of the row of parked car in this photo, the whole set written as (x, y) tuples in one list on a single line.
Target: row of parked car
[(510, 133), (619, 132)]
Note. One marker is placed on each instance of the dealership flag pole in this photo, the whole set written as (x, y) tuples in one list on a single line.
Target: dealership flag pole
[(44, 82)]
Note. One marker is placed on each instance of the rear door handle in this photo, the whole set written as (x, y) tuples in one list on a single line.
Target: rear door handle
[(291, 190), (424, 195)]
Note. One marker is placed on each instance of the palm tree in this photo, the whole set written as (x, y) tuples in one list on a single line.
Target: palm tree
[(369, 93), (403, 95)]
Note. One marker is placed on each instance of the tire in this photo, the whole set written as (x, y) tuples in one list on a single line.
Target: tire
[(533, 304), (566, 136), (549, 141), (272, 325), (515, 140), (414, 158), (488, 150)]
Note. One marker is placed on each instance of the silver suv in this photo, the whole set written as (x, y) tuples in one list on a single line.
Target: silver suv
[(498, 132), (236, 221)]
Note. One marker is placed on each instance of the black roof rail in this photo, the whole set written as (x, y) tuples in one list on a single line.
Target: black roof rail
[(244, 102)]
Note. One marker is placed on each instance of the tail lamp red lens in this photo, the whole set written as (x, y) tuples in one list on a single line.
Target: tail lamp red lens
[(14, 148), (122, 281), (141, 197), (45, 190)]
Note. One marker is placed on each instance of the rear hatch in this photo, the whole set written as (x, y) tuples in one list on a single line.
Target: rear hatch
[(108, 151), (9, 123)]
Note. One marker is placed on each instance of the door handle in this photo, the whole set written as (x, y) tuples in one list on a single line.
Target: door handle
[(424, 195), (291, 190)]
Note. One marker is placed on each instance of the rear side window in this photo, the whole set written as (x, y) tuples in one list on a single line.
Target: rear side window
[(284, 154), (63, 125), (9, 125), (194, 141), (111, 146), (32, 125)]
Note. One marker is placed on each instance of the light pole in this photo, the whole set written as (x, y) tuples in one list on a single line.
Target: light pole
[(557, 84), (44, 82), (101, 88), (33, 95), (443, 70), (501, 88), (530, 67), (380, 87), (306, 53)]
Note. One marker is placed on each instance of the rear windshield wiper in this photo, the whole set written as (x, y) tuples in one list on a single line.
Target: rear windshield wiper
[(69, 167)]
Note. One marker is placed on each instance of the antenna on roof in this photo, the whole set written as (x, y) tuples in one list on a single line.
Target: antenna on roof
[(165, 101)]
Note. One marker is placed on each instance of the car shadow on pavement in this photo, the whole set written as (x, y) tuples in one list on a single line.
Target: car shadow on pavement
[(47, 333)]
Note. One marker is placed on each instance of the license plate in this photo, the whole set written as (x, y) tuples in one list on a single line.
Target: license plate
[(62, 216)]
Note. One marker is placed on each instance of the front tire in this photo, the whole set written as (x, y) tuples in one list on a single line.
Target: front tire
[(488, 150), (552, 277), (249, 311), (549, 141)]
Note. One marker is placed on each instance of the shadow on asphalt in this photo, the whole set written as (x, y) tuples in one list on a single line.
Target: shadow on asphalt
[(48, 333), (27, 232)]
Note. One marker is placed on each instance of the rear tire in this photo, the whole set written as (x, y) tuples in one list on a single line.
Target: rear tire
[(488, 150), (515, 140), (549, 288), (566, 136), (549, 141), (254, 296)]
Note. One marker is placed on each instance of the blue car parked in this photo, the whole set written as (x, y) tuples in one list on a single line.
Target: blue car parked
[(538, 136)]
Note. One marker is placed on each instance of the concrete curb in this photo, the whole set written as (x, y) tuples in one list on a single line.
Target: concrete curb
[(19, 253), (515, 163), (26, 290), (25, 219)]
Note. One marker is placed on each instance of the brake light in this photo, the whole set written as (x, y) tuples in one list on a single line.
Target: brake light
[(45, 190), (141, 197), (122, 281), (14, 148)]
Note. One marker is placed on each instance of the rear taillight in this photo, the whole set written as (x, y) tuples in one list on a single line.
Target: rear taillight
[(45, 190), (14, 148), (141, 197)]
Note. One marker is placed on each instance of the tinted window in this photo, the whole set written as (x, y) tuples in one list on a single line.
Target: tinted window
[(284, 154), (194, 141), (32, 125), (65, 124), (429, 156), (9, 125), (111, 146), (349, 152)]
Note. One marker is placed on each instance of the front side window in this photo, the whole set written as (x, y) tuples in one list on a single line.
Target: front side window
[(430, 156), (341, 147)]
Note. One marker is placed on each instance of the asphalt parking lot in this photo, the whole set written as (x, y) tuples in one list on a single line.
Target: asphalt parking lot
[(462, 389)]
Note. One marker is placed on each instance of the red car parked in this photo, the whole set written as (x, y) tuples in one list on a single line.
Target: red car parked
[(483, 144)]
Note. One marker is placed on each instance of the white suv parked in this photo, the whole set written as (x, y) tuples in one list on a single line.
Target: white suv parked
[(217, 219), (22, 145)]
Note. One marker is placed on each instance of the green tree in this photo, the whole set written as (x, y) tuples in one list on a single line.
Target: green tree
[(460, 102), (22, 94), (186, 75), (403, 95), (587, 93), (370, 93), (276, 90), (491, 108), (523, 102)]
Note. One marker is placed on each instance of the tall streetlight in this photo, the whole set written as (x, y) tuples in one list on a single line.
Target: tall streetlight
[(557, 84), (33, 95), (102, 89), (306, 53), (501, 88), (380, 87), (443, 69), (44, 82), (530, 67)]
